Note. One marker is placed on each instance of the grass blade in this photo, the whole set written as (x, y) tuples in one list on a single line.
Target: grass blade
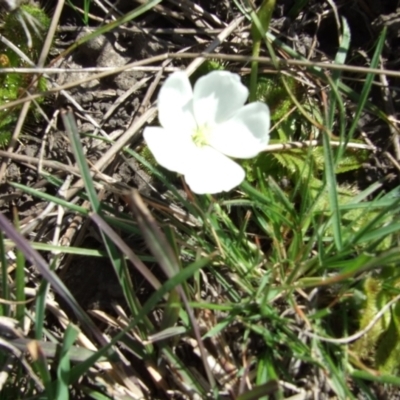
[(63, 369)]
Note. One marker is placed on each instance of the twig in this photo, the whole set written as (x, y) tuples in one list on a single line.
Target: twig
[(215, 43), (286, 63), (201, 57), (154, 31), (357, 335), (315, 143)]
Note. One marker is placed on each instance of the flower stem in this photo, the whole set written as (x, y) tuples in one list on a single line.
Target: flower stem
[(259, 27), (254, 71)]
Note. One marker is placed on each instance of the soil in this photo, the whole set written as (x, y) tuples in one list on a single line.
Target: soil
[(109, 105)]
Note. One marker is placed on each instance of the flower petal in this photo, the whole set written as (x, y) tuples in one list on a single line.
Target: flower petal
[(217, 96), (212, 172), (175, 103), (244, 135), (172, 150)]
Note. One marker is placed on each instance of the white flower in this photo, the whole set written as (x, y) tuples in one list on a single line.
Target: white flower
[(203, 127)]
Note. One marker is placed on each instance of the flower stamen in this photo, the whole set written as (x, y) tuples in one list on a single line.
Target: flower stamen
[(201, 136)]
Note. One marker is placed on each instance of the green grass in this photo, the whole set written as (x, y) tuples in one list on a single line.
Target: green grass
[(251, 292)]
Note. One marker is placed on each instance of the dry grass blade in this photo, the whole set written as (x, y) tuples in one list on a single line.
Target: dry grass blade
[(19, 355), (139, 265), (165, 256), (36, 259)]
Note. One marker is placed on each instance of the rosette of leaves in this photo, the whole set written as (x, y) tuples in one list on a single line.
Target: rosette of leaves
[(14, 84)]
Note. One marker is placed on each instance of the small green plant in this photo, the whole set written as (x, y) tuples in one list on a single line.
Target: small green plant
[(86, 9), (13, 85), (380, 346), (205, 68)]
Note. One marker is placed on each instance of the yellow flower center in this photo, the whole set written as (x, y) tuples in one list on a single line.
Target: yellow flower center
[(201, 136)]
